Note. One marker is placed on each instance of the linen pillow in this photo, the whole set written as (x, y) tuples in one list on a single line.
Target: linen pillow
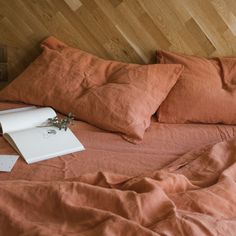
[(111, 95), (205, 91)]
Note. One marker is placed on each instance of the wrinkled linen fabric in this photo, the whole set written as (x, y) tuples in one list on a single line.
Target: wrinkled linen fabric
[(194, 195), (204, 93), (108, 152)]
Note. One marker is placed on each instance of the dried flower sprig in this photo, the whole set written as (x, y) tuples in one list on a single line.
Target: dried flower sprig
[(61, 123)]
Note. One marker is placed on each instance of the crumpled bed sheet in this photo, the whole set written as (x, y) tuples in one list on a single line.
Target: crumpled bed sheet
[(193, 195)]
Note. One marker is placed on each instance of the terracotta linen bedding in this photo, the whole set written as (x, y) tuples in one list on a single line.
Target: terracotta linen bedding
[(179, 181), (108, 152), (195, 195)]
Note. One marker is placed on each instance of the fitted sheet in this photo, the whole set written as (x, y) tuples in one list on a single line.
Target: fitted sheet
[(108, 152)]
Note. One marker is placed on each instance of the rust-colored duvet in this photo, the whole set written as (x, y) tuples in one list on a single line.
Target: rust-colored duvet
[(179, 181)]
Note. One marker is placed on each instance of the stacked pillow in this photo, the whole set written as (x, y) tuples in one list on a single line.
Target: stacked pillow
[(204, 93), (112, 95)]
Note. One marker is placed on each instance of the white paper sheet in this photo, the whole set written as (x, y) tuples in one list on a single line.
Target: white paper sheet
[(7, 162)]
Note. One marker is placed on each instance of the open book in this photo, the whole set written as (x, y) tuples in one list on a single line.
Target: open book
[(23, 129)]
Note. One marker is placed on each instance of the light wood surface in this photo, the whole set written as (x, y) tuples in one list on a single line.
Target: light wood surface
[(125, 30)]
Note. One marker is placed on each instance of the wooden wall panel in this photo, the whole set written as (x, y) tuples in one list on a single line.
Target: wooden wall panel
[(125, 30)]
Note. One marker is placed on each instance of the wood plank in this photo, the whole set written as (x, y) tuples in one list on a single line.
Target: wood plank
[(125, 30)]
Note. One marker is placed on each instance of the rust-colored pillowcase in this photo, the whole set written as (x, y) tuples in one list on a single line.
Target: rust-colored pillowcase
[(111, 95), (204, 93)]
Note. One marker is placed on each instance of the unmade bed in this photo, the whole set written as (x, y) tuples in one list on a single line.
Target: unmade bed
[(108, 152), (179, 181), (160, 147)]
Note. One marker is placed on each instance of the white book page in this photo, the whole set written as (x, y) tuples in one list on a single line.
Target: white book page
[(17, 110), (25, 119), (42, 143)]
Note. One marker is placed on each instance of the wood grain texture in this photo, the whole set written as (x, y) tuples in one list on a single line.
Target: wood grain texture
[(125, 30), (3, 63)]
